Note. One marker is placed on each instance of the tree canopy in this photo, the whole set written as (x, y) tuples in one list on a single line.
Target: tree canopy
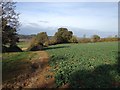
[(10, 24), (63, 35), (38, 41)]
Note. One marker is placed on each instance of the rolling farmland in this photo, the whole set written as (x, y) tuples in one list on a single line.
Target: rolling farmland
[(83, 65), (86, 65)]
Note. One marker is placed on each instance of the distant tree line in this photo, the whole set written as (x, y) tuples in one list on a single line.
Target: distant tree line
[(97, 38), (63, 35)]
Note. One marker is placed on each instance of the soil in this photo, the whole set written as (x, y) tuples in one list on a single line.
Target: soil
[(40, 76)]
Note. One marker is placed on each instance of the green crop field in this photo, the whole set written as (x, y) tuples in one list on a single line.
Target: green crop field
[(86, 65), (82, 65)]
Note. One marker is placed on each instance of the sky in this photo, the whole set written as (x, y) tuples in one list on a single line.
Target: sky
[(80, 17)]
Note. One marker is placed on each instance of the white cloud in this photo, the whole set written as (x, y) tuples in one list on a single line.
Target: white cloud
[(51, 16), (99, 23)]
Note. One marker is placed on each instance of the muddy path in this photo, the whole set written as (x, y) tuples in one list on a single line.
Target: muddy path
[(43, 78)]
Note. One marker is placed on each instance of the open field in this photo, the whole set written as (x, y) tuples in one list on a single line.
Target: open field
[(86, 65), (59, 45), (74, 65)]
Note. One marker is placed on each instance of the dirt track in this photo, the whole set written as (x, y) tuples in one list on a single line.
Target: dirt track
[(43, 78), (39, 77)]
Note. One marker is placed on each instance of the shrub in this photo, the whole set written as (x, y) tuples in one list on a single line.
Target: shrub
[(46, 44), (95, 38), (84, 40), (42, 37), (108, 39), (52, 41), (35, 47), (63, 35), (38, 42), (73, 40)]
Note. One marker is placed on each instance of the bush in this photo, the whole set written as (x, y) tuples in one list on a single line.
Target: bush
[(38, 42), (35, 47), (52, 41), (46, 44), (95, 38), (63, 35), (108, 39), (84, 40), (42, 37), (73, 40)]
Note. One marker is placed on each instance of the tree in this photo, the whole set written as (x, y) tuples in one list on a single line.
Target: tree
[(95, 38), (52, 41), (10, 24), (63, 35), (38, 41), (42, 37)]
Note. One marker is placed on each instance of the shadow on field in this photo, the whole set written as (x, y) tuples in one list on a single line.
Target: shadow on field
[(102, 76), (118, 62), (12, 70), (47, 48), (20, 71), (11, 49)]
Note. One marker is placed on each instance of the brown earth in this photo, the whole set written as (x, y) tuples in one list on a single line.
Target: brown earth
[(40, 76), (45, 79)]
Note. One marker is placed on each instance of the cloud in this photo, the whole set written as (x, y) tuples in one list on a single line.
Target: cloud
[(44, 21), (33, 24), (87, 17), (31, 29), (79, 32)]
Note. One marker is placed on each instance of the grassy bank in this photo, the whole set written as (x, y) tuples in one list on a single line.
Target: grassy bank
[(18, 63)]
